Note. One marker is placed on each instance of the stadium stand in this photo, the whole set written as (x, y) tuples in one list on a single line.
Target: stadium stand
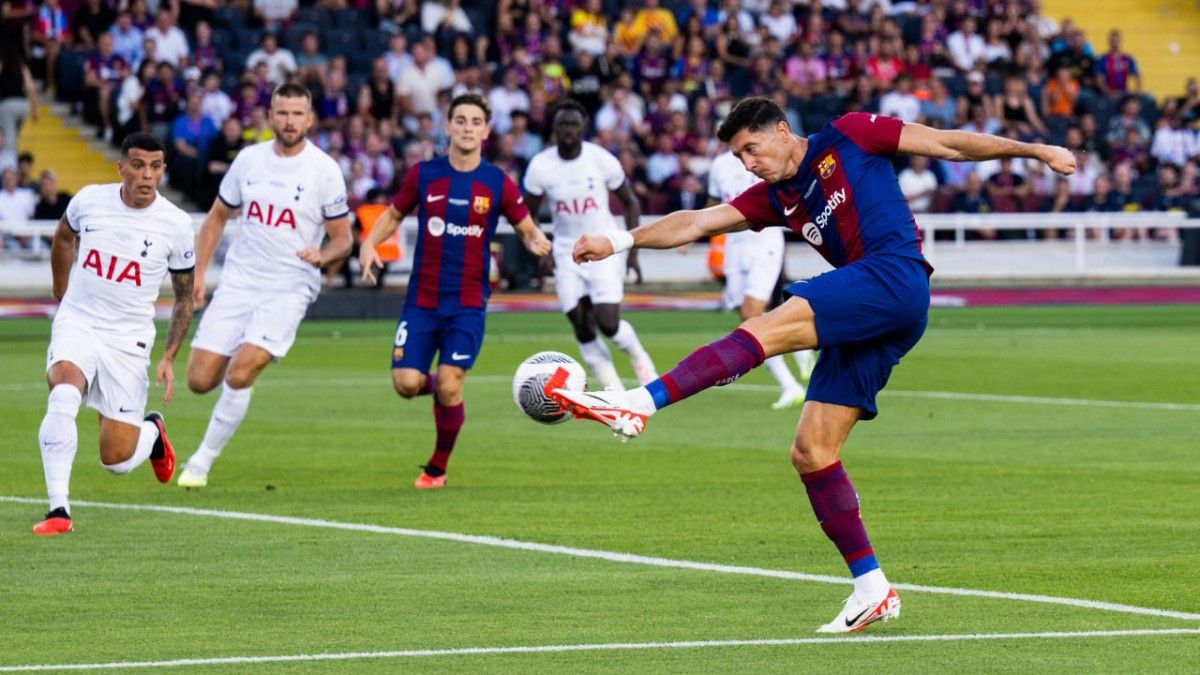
[(656, 80)]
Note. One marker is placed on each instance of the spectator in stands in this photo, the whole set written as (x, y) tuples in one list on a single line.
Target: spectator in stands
[(997, 53), (258, 129), (399, 16), (1130, 120), (1060, 201), (333, 106), (804, 69), (973, 199), (690, 195), (1076, 55), (418, 86), (205, 55), (587, 75), (940, 109), (444, 15), (221, 153), (1006, 189), (91, 20), (280, 61), (172, 44), (966, 46), (589, 28), (1173, 143), (52, 202), (18, 93), (160, 103), (653, 19), (359, 184), (901, 102), (975, 98), (779, 21), (17, 205), (141, 15), (1132, 150), (1087, 164), (50, 31), (663, 165), (275, 14), (1117, 72), (127, 39), (525, 143), (919, 184), (312, 64), (884, 65), (981, 122), (1018, 111), (505, 99), (130, 100), (1104, 199), (215, 104), (103, 73), (377, 96), (191, 134), (1061, 93)]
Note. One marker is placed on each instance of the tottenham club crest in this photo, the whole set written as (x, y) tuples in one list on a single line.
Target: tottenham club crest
[(482, 205), (827, 166)]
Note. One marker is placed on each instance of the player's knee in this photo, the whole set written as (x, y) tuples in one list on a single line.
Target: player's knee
[(114, 459), (201, 383), (241, 377), (449, 393), (810, 455), (608, 325), (405, 386)]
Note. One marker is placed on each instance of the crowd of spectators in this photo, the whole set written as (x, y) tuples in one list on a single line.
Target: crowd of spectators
[(655, 76)]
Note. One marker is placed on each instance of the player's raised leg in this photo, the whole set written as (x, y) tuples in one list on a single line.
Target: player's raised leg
[(791, 392), (125, 446), (237, 384), (785, 328), (58, 438), (819, 438)]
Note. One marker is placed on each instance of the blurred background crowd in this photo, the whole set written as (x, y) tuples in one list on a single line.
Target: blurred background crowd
[(656, 77)]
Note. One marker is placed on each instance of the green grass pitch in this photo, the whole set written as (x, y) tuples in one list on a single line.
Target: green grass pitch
[(1092, 501)]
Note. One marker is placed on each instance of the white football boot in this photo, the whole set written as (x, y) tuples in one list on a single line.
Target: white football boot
[(861, 611)]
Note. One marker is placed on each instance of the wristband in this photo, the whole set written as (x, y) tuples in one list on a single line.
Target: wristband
[(622, 240)]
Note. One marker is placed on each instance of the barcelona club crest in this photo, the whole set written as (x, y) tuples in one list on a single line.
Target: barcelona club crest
[(482, 204), (826, 167)]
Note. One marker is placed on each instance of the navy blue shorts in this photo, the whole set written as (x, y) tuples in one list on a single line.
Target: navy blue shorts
[(456, 335), (868, 314)]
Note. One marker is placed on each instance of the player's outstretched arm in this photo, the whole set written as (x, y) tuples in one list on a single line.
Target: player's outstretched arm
[(676, 229), (177, 328), (211, 231), (62, 256), (368, 257), (965, 146), (532, 236)]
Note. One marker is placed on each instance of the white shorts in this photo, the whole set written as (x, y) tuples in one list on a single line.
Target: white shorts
[(752, 270), (117, 381), (264, 319), (601, 280)]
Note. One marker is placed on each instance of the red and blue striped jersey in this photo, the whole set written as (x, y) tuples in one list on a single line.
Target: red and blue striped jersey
[(845, 199), (457, 213)]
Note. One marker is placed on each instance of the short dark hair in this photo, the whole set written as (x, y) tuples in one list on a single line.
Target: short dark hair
[(753, 114), (291, 90), (141, 141), (568, 104), (470, 99)]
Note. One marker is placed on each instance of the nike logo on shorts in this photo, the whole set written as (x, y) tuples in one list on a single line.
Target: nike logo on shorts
[(455, 356)]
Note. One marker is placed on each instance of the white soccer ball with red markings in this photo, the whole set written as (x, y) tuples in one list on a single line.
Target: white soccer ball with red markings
[(530, 379)]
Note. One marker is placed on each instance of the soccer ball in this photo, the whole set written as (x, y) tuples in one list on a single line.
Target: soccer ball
[(531, 377)]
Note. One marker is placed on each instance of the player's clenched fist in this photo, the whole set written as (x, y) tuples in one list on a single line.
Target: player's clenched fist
[(1061, 160), (591, 247)]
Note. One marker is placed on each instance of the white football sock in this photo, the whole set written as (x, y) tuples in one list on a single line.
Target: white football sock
[(641, 400), (873, 584), (599, 361), (626, 340), (58, 438), (783, 375), (227, 416), (141, 451), (806, 360)]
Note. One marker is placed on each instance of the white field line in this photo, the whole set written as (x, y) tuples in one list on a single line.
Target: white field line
[(384, 381), (613, 646), (613, 556)]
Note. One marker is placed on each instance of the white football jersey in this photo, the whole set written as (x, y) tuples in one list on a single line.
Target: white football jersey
[(576, 190), (124, 256), (728, 178), (285, 202)]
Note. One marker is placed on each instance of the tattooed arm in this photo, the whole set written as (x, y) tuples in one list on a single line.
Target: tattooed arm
[(181, 320)]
